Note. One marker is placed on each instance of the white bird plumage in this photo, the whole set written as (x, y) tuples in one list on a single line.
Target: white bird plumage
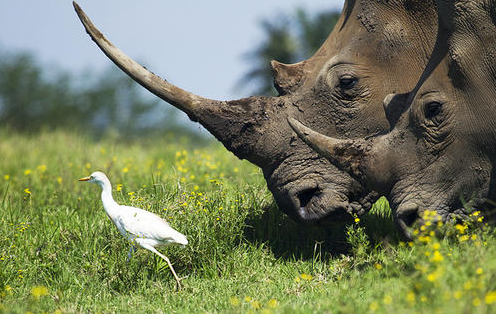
[(138, 225)]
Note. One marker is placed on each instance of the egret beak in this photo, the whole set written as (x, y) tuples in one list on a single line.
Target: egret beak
[(85, 179)]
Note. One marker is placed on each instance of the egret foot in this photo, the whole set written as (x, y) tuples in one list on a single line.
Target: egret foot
[(178, 280)]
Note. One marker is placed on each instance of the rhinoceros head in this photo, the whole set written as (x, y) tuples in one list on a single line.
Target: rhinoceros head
[(439, 154), (337, 91)]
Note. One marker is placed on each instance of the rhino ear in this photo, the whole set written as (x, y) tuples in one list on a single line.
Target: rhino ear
[(287, 77)]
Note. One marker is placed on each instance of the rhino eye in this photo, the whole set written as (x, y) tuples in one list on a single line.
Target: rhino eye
[(432, 109), (347, 82)]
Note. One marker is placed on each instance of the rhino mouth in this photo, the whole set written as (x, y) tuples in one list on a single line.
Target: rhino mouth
[(305, 197), (313, 203), (309, 206), (404, 217)]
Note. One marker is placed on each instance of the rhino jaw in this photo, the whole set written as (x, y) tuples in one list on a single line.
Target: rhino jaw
[(321, 202)]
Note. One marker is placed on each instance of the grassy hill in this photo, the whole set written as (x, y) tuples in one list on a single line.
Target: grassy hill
[(59, 252)]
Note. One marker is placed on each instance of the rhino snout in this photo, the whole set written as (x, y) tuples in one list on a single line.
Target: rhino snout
[(404, 217)]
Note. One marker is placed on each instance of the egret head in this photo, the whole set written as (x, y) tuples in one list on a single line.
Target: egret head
[(97, 177)]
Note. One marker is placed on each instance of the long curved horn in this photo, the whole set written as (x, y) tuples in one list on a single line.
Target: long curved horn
[(345, 154), (176, 96), (238, 124)]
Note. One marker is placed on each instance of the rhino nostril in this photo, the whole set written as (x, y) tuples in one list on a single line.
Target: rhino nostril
[(306, 195), (409, 217)]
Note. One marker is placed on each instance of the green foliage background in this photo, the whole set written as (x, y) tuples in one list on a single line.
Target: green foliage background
[(289, 38), (35, 97)]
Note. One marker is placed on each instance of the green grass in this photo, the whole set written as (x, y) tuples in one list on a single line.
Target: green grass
[(59, 253)]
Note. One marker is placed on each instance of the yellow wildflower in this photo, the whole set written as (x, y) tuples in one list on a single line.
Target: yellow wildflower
[(490, 297), (373, 306), (39, 291), (461, 228), (6, 177), (433, 276), (306, 277), (27, 172), (272, 303), (42, 168), (410, 296), (378, 266), (119, 187), (437, 257), (387, 299), (476, 302), (27, 191), (234, 301), (88, 165), (357, 220), (256, 304), (463, 238), (479, 271), (125, 170), (8, 289), (458, 295), (425, 239), (248, 299)]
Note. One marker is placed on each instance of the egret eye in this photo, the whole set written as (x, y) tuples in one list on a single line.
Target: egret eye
[(347, 82), (432, 109)]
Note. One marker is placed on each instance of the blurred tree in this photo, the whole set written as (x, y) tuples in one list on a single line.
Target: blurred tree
[(33, 97), (288, 39)]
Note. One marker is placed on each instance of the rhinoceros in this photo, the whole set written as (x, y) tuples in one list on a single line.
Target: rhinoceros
[(337, 91), (440, 154)]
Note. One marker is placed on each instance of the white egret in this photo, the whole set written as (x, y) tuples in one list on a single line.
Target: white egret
[(137, 225)]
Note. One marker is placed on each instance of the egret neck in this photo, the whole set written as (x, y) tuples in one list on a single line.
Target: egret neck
[(109, 204)]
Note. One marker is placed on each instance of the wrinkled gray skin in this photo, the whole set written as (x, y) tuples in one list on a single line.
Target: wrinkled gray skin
[(337, 91), (441, 152)]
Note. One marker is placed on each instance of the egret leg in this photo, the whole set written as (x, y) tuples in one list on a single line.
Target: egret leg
[(178, 280), (132, 249)]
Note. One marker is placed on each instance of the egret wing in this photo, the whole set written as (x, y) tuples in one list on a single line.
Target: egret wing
[(144, 224)]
